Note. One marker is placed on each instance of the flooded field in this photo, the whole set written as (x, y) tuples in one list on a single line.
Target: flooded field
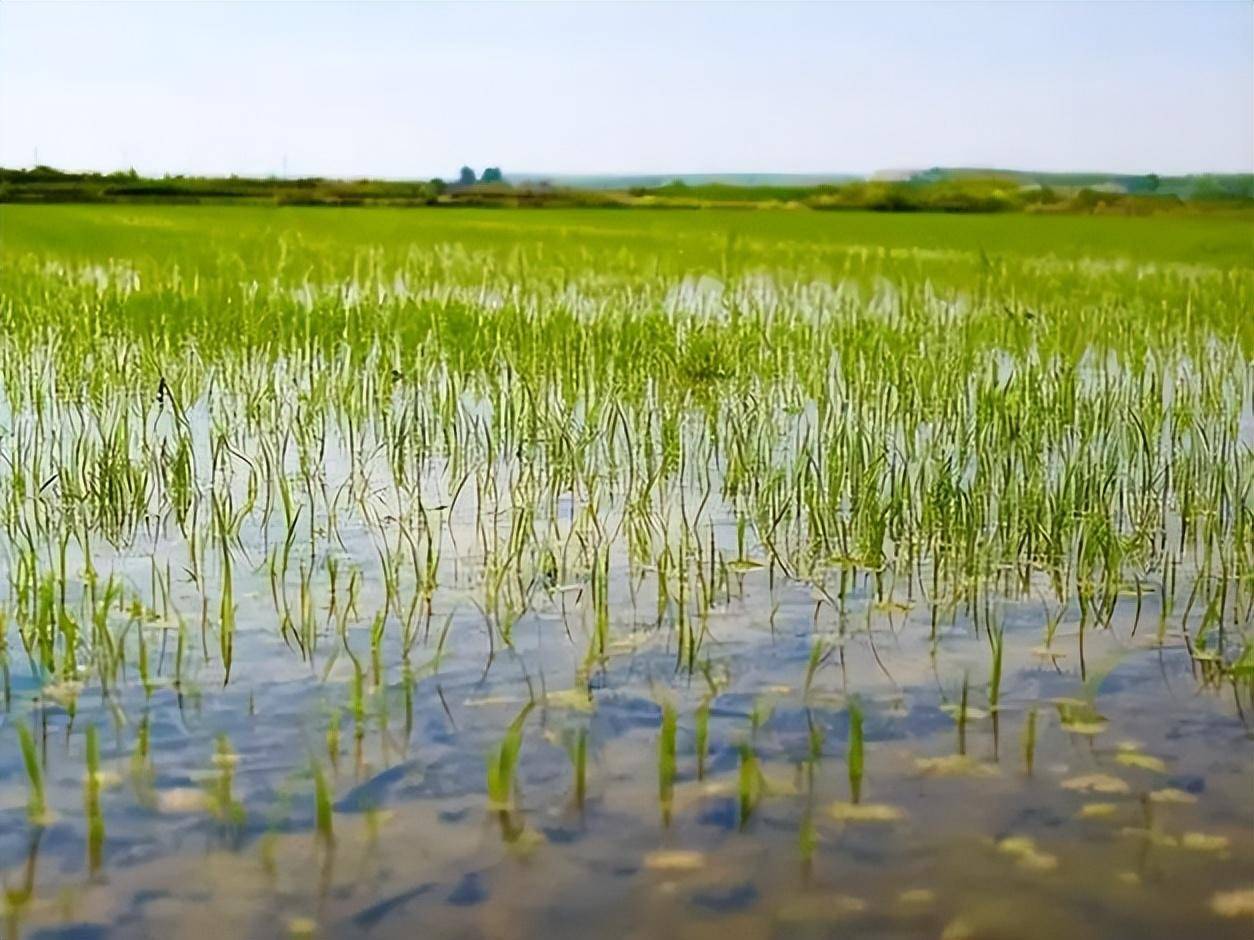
[(512, 574)]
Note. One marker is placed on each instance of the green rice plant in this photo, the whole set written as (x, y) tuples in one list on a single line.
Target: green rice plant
[(1029, 741), (995, 639), (222, 800), (226, 615), (814, 738), (503, 761), (91, 802), (577, 751), (819, 651), (142, 773), (701, 735), (807, 838), (600, 605), (333, 737), (763, 709), (5, 677), (854, 752), (749, 785), (142, 660), (36, 802), (666, 760), (323, 821), (357, 700), (961, 716)]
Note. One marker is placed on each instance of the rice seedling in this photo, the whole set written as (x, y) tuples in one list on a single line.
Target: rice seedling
[(503, 761), (229, 811), (1029, 741), (91, 802), (996, 639), (749, 784), (666, 760), (322, 802), (854, 753), (577, 748), (36, 802), (701, 735)]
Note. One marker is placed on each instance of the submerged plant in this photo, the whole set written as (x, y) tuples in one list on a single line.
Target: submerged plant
[(222, 800), (91, 802), (701, 735), (503, 761), (36, 803), (749, 785), (854, 754), (322, 802), (577, 749), (666, 760)]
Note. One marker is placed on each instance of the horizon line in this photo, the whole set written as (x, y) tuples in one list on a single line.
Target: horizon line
[(539, 175)]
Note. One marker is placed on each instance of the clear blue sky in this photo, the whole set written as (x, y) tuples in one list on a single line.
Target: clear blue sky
[(411, 90)]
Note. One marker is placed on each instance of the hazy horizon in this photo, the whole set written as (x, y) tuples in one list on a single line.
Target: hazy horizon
[(416, 90)]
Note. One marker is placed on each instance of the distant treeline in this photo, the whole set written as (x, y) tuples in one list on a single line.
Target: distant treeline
[(965, 191), (45, 184), (937, 190)]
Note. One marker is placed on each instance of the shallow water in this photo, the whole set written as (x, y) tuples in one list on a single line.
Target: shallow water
[(1123, 825), (1095, 784)]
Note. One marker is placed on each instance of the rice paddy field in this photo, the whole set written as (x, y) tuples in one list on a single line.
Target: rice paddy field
[(506, 574)]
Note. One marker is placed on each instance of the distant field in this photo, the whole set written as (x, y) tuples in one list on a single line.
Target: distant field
[(158, 233)]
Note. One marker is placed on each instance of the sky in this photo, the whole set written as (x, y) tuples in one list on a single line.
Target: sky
[(414, 90)]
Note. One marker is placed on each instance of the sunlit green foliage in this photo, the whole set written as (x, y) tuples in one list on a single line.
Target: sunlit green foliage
[(363, 454)]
